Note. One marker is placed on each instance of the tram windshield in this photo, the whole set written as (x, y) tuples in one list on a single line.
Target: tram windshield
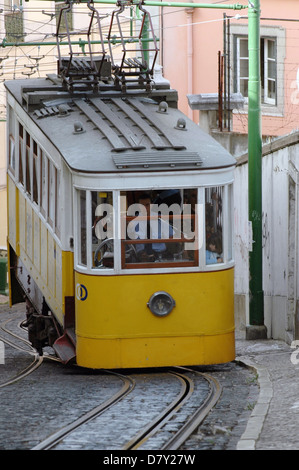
[(159, 227), (154, 228)]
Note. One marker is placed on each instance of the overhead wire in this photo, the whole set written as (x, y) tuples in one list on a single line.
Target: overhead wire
[(46, 66)]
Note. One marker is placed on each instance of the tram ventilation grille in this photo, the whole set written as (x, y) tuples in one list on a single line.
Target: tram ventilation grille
[(157, 159), (52, 110)]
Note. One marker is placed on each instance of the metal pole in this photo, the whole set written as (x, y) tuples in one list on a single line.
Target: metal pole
[(256, 328), (235, 6), (80, 43)]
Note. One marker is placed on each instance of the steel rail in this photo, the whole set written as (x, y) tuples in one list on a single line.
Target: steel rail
[(37, 361), (28, 370), (23, 340), (197, 418), (186, 391), (55, 438)]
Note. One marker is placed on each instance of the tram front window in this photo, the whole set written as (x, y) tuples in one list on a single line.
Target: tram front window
[(102, 229), (214, 225), (159, 227)]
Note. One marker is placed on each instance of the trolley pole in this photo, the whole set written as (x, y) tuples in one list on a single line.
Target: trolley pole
[(256, 328)]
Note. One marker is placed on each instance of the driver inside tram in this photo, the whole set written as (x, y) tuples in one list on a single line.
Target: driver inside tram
[(151, 229)]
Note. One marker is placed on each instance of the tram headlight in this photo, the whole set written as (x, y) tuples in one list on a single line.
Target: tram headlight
[(161, 303)]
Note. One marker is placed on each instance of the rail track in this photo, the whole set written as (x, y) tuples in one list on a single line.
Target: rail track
[(165, 429), (198, 416), (51, 441), (36, 362), (155, 424), (191, 424)]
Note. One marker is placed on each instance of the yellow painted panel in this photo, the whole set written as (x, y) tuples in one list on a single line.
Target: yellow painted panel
[(115, 327), (116, 306), (155, 352), (22, 219), (58, 274), (29, 230), (51, 268), (67, 273), (51, 264), (3, 216), (44, 252), (36, 241)]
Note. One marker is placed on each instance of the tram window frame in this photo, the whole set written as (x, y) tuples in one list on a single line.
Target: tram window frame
[(35, 172), (12, 154), (44, 184), (101, 212), (81, 251), (173, 249), (11, 142), (57, 203), (40, 179), (224, 227), (214, 229), (85, 223), (51, 194), (21, 154), (28, 163)]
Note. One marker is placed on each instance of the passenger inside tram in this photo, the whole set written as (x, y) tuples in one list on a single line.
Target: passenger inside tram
[(150, 229), (160, 215), (214, 249), (213, 207), (146, 217)]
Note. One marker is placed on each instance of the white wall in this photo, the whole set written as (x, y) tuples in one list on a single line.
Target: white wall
[(280, 165)]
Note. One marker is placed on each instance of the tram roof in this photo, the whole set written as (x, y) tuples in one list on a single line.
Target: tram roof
[(111, 131)]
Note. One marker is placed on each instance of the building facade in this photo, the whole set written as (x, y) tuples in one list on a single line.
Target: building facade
[(193, 38)]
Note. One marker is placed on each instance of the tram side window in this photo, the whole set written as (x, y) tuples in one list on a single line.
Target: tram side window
[(102, 229), (35, 173), (214, 225), (57, 204), (159, 228), (27, 158), (21, 146), (43, 183), (82, 258), (11, 149), (11, 154), (51, 194)]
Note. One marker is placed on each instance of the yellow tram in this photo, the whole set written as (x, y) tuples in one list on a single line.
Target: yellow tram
[(120, 213)]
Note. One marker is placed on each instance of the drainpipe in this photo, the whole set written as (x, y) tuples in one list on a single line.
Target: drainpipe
[(256, 328), (190, 12)]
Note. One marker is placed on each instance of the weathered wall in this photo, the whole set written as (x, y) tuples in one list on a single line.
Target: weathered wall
[(280, 166)]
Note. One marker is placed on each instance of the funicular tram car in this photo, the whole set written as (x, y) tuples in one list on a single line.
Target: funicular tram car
[(120, 226)]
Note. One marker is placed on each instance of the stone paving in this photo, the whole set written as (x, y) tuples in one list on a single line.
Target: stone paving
[(258, 408), (274, 422)]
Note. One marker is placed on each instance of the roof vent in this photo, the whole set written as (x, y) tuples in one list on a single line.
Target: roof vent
[(78, 128), (63, 110), (181, 125), (163, 108)]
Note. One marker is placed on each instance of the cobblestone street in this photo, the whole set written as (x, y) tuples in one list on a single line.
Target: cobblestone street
[(53, 395)]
